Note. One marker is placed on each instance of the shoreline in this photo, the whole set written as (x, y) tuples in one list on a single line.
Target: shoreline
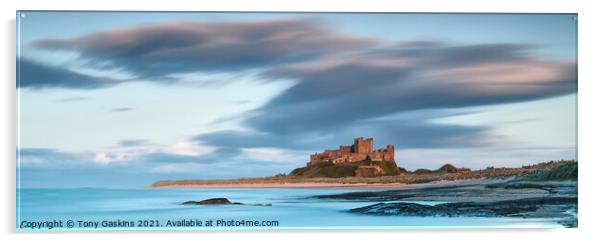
[(288, 185), (327, 185)]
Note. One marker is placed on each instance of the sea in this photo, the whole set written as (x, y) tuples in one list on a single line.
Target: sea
[(264, 209)]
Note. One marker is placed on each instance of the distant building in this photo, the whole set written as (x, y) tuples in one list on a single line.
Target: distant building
[(362, 149)]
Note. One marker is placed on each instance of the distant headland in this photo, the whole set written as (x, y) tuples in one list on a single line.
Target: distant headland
[(360, 165)]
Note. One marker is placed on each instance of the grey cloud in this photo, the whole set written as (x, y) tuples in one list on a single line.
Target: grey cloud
[(169, 158), (51, 158), (71, 99), (52, 168), (446, 55), (24, 152), (159, 50), (121, 109), (31, 74), (242, 139), (132, 142), (405, 133), (223, 155), (337, 92), (336, 99), (422, 134)]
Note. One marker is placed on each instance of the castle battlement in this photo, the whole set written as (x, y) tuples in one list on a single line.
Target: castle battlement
[(361, 150)]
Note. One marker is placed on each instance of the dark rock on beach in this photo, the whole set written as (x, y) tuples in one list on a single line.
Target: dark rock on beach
[(212, 201), (381, 196), (540, 207), (527, 207), (468, 191), (546, 187), (484, 198), (220, 201)]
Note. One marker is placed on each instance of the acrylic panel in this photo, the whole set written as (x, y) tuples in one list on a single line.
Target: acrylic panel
[(295, 120)]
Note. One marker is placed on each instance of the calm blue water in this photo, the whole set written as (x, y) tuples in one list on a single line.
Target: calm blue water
[(290, 207)]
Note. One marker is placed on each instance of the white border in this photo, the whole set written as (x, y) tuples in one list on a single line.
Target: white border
[(589, 117)]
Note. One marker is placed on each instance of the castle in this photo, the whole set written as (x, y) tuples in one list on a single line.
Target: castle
[(361, 150)]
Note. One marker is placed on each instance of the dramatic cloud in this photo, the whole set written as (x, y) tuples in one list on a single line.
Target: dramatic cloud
[(343, 85), (337, 98), (335, 92), (35, 75), (159, 50)]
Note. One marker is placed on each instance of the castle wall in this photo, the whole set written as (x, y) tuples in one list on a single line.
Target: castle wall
[(345, 149)]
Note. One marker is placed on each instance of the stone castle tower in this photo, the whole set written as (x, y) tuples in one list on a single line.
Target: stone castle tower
[(361, 145), (361, 150)]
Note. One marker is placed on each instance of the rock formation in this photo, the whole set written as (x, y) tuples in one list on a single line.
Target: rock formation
[(212, 201)]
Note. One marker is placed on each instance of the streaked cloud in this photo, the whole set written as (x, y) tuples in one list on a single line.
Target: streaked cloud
[(158, 50), (39, 76), (117, 110), (133, 142), (71, 99), (336, 91), (52, 159), (337, 98)]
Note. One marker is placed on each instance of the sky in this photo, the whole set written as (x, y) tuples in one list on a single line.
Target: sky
[(123, 99)]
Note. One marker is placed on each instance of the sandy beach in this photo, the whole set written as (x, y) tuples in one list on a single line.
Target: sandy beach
[(291, 185), (331, 185)]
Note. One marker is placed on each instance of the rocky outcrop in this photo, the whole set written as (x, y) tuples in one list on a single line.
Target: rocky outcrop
[(469, 191), (521, 185), (509, 208), (539, 207), (221, 201), (212, 201), (476, 198)]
